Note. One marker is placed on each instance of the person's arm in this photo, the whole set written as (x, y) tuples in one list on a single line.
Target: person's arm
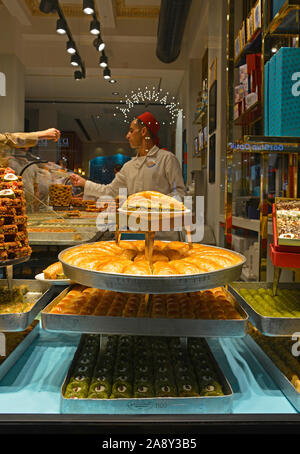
[(28, 139), (174, 176), (96, 190)]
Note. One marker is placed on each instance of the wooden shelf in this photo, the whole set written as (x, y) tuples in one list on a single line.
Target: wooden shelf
[(250, 116), (251, 47)]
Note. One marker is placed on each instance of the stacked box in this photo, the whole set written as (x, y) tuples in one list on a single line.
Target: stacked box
[(283, 107), (13, 220)]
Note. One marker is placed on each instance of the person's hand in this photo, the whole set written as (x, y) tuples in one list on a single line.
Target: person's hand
[(49, 134), (77, 180)]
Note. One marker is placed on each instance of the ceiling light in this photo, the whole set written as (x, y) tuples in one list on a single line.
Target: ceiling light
[(274, 49), (78, 75), (106, 73), (112, 81), (71, 48), (48, 6), (95, 27), (61, 26), (100, 44), (103, 61), (75, 60), (88, 6), (115, 93)]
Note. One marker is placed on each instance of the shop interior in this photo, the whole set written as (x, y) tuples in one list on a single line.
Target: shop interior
[(222, 79)]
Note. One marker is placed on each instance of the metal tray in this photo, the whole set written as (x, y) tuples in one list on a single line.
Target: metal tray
[(280, 379), (145, 326), (155, 405), (152, 284), (43, 293), (269, 326), (9, 362)]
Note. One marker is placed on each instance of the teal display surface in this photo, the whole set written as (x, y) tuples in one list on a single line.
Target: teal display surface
[(33, 385)]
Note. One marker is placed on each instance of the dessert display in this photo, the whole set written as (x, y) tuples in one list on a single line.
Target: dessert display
[(214, 304), (262, 300), (152, 201), (13, 339), (168, 258), (54, 271), (60, 195), (288, 218), (141, 367), (16, 300), (13, 220), (279, 350)]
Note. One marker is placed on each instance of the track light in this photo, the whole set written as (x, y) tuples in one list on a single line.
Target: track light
[(106, 73), (95, 27), (71, 48), (48, 6), (78, 75), (112, 81), (61, 26), (88, 7), (75, 60), (103, 61)]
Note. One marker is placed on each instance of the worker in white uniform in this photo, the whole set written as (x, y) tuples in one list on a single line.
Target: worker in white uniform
[(153, 169)]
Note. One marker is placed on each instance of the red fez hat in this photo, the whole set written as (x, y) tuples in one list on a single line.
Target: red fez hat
[(152, 124)]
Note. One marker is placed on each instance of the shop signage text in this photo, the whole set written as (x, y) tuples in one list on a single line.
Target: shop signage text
[(255, 147), (2, 84), (296, 86)]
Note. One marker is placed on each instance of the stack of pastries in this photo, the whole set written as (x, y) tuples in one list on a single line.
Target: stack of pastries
[(168, 258), (13, 220), (213, 304), (141, 367)]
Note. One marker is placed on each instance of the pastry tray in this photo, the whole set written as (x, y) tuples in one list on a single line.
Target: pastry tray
[(279, 378), (269, 326), (152, 284), (42, 292), (142, 326), (155, 405), (9, 362)]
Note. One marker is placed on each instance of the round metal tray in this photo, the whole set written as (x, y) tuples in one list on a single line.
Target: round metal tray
[(128, 283), (9, 262)]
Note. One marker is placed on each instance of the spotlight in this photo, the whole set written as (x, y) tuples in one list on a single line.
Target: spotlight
[(99, 44), (78, 75), (95, 27), (48, 6), (103, 61), (75, 60), (106, 73), (112, 81), (274, 49), (71, 48), (61, 26), (88, 6)]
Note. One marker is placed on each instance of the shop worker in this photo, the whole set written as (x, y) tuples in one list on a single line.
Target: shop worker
[(153, 169)]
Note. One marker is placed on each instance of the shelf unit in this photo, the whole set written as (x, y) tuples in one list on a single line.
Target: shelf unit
[(279, 31)]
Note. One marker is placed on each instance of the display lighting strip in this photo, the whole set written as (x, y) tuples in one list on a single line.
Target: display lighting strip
[(149, 95), (62, 28), (95, 29)]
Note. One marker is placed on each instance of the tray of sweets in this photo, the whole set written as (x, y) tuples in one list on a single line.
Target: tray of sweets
[(209, 313), (287, 221), (15, 344), (19, 308), (276, 356), (272, 315), (144, 375)]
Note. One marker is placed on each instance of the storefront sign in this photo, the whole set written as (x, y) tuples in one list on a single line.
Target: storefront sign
[(255, 147), (2, 84)]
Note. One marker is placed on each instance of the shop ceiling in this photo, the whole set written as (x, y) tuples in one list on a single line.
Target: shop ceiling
[(129, 29)]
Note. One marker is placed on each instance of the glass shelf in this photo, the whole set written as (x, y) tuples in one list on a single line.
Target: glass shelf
[(286, 21)]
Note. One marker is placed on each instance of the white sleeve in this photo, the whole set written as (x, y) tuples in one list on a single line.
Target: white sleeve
[(174, 176), (96, 190)]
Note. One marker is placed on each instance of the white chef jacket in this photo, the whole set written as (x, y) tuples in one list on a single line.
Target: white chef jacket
[(158, 171)]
